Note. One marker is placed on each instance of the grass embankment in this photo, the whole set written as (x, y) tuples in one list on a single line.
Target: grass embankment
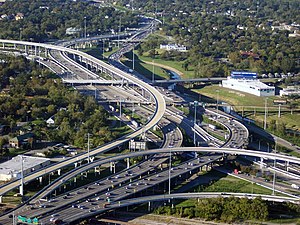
[(159, 64)]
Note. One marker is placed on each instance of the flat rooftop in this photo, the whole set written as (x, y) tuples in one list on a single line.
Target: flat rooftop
[(13, 166), (253, 82)]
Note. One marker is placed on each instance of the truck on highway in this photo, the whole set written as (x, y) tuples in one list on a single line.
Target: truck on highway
[(295, 186), (211, 126)]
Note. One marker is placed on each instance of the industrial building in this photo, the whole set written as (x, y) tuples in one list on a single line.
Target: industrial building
[(11, 169), (290, 90), (248, 82)]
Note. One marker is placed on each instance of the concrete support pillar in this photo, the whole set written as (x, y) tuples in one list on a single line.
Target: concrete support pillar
[(110, 167), (128, 163), (15, 46), (41, 180), (3, 45), (261, 163), (21, 190), (1, 198), (74, 57), (75, 165), (92, 159), (287, 165), (59, 172), (35, 50), (149, 206), (143, 92), (46, 52), (26, 49), (75, 180)]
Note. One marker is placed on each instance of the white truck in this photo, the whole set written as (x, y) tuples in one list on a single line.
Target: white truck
[(295, 186)]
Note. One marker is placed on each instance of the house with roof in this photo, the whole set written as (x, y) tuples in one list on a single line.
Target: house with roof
[(23, 140), (50, 121)]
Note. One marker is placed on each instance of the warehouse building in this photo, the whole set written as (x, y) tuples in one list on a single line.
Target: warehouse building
[(248, 82), (11, 169)]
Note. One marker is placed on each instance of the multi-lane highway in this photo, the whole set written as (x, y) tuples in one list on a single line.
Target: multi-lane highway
[(93, 198)]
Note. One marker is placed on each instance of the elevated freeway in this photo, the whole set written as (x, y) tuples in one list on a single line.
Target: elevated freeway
[(195, 164), (157, 98)]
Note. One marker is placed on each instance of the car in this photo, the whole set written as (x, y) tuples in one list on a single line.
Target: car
[(55, 215), (74, 206)]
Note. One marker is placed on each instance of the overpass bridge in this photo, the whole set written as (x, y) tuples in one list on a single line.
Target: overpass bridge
[(195, 80), (157, 98)]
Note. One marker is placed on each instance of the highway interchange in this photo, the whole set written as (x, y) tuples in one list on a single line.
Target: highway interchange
[(137, 178)]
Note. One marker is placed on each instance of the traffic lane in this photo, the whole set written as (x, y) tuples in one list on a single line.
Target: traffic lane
[(137, 186), (82, 192)]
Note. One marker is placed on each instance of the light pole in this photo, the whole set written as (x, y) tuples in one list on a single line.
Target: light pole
[(22, 177), (85, 27), (170, 165), (88, 136), (152, 70), (217, 100), (266, 112), (120, 108), (195, 118), (133, 109), (274, 175), (133, 58), (20, 34), (103, 44), (119, 33)]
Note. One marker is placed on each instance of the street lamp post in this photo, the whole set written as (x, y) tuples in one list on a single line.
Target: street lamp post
[(133, 58), (195, 120), (88, 136), (217, 100), (85, 27), (103, 44), (274, 175), (20, 34), (170, 165), (152, 71), (119, 33), (266, 112), (22, 177)]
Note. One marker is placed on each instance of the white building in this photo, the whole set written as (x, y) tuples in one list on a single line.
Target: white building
[(72, 30), (173, 47), (247, 82), (12, 169), (291, 90)]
